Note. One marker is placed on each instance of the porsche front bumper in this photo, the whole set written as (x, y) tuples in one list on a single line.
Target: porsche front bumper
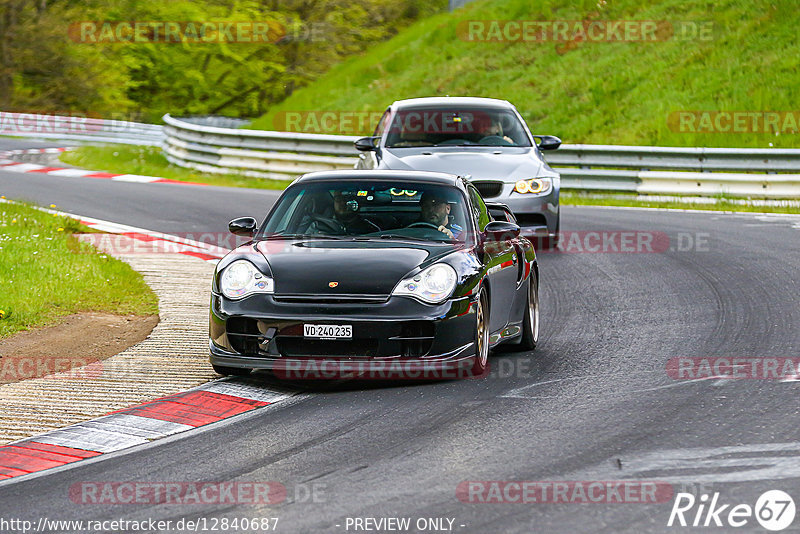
[(395, 335)]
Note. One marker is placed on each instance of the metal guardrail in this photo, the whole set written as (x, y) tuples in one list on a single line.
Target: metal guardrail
[(641, 169), (678, 158), (217, 145), (80, 129), (279, 155), (679, 170)]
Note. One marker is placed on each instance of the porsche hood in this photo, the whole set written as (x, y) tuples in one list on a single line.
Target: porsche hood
[(334, 268)]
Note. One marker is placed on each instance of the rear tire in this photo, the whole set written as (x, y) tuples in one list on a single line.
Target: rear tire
[(530, 320), (481, 364), (230, 371)]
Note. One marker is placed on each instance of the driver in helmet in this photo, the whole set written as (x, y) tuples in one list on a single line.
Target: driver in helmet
[(435, 211), (345, 212)]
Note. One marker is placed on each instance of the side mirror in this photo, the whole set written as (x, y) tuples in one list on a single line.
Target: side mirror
[(367, 144), (500, 212), (548, 142), (500, 231), (244, 226)]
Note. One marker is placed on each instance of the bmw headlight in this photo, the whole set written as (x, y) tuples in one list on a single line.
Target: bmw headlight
[(535, 186), (433, 285), (241, 278)]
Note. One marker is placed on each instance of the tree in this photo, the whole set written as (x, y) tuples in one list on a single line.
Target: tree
[(48, 63)]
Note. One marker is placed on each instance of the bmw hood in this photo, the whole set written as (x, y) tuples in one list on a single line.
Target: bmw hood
[(510, 164), (330, 268)]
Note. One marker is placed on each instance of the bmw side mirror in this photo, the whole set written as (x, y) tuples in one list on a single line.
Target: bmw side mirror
[(367, 144), (500, 231), (548, 142), (244, 226)]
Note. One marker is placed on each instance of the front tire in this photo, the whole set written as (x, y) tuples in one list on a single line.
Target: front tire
[(530, 321), (481, 364), (230, 371)]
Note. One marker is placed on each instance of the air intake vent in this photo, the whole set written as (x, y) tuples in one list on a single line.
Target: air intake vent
[(489, 189)]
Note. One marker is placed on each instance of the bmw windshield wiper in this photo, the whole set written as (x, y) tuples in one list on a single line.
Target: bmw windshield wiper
[(500, 146)]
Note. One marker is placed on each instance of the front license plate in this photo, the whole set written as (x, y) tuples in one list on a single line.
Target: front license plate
[(328, 331)]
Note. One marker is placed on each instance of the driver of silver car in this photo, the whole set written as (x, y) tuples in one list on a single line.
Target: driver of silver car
[(494, 128)]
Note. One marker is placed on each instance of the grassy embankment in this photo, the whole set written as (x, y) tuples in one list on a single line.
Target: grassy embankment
[(45, 273), (585, 92)]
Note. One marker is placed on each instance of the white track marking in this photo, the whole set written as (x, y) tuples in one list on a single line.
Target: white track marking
[(760, 461)]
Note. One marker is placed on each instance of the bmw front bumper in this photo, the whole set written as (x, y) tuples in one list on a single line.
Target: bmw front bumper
[(537, 215)]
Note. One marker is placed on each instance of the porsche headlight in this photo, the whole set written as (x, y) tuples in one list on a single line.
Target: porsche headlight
[(241, 278), (535, 186), (433, 285)]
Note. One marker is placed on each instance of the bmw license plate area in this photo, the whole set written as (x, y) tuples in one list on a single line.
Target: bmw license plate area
[(328, 331)]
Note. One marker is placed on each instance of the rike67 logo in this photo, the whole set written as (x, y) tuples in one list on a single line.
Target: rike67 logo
[(774, 510)]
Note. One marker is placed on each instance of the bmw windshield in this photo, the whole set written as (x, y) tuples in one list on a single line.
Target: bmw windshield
[(453, 126), (369, 210)]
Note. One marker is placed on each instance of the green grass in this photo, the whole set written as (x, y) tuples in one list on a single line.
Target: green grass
[(578, 198), (149, 161), (589, 92), (45, 273)]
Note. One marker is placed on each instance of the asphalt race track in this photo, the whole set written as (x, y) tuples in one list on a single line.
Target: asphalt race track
[(593, 403)]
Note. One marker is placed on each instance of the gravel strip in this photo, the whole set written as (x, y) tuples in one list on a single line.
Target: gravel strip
[(172, 359)]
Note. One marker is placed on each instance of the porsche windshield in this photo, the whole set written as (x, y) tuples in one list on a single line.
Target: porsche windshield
[(377, 210), (455, 127)]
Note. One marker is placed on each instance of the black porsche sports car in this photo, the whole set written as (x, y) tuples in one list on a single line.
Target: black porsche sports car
[(382, 273)]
